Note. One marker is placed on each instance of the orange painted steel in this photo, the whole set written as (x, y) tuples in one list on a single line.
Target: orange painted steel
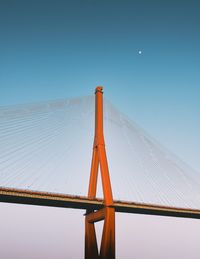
[(107, 250), (99, 154)]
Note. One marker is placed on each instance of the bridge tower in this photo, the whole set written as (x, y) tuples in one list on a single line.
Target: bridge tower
[(107, 213)]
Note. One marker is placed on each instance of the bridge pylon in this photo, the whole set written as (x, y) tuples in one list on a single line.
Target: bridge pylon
[(107, 213)]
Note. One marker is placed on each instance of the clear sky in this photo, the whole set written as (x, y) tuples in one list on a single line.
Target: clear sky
[(57, 49)]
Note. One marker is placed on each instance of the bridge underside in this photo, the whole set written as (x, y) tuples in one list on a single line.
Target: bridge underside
[(79, 202)]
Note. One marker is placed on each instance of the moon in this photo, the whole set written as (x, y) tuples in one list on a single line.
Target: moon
[(139, 52)]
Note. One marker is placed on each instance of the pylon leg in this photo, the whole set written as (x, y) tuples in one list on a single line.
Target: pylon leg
[(91, 248), (108, 239), (107, 190), (93, 174)]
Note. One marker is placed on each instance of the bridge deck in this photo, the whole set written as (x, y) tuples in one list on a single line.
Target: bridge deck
[(79, 202)]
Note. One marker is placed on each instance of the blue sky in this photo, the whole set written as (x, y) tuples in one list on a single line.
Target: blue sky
[(57, 49), (61, 49)]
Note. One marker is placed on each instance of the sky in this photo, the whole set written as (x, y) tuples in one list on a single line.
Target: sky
[(62, 49)]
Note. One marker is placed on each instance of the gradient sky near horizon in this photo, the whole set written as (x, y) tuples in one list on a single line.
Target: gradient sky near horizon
[(62, 49)]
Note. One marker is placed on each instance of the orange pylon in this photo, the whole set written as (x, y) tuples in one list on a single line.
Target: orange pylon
[(107, 250)]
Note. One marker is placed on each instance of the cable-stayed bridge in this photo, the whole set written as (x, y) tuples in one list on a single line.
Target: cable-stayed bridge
[(45, 159)]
